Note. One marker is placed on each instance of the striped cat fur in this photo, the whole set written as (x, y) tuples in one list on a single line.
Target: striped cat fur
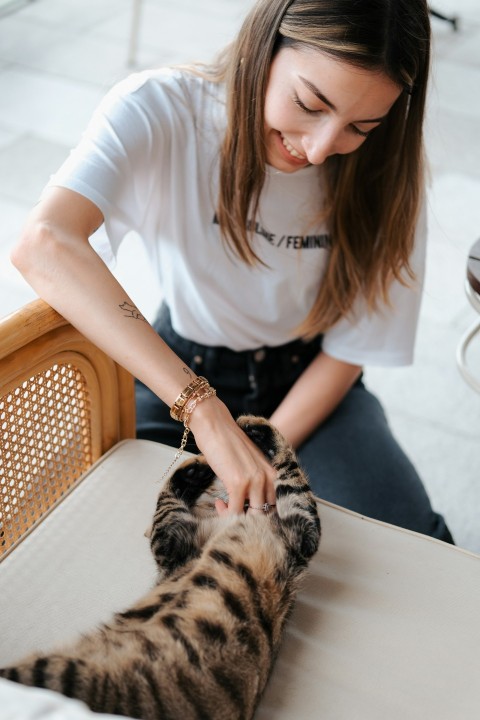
[(202, 643)]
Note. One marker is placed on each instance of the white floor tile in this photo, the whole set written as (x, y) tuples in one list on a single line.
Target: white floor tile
[(456, 87), (14, 294), (22, 41), (7, 136), (450, 143), (461, 47), (432, 389), (47, 106), (173, 34), (86, 59), (28, 163), (454, 210), (13, 218), (448, 466), (72, 16)]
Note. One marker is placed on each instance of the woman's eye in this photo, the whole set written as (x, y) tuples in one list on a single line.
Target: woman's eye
[(308, 110), (360, 132), (302, 106)]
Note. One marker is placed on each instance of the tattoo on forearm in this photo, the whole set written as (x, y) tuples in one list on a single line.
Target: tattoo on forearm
[(130, 311), (187, 371)]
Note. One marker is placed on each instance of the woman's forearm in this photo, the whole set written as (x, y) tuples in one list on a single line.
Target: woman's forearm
[(314, 396), (66, 272)]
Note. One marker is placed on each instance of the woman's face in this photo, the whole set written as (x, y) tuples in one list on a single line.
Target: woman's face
[(316, 106)]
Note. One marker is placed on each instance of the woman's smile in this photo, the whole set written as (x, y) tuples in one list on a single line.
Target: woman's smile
[(290, 154), (291, 149)]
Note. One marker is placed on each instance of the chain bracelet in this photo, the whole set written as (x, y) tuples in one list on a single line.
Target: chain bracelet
[(178, 453), (182, 409)]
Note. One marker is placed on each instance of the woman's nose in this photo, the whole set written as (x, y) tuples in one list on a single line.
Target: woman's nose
[(321, 143)]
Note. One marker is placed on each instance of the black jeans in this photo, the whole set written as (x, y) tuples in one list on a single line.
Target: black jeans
[(351, 459)]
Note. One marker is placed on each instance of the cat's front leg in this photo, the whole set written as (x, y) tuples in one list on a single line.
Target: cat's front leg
[(174, 535), (295, 503)]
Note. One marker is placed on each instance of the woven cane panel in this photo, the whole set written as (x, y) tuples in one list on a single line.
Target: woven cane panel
[(45, 445)]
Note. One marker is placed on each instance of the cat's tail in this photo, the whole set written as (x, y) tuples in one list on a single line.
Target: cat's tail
[(54, 672), (71, 677)]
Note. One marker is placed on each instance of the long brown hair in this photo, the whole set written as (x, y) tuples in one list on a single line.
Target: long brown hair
[(374, 193)]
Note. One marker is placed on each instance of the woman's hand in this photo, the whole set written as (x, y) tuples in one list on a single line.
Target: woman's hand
[(234, 458)]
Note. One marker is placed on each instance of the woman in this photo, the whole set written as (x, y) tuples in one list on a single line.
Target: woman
[(278, 194)]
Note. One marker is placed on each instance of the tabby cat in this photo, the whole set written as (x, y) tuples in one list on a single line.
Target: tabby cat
[(201, 644)]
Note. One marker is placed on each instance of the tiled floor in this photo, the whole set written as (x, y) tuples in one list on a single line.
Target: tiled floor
[(57, 58)]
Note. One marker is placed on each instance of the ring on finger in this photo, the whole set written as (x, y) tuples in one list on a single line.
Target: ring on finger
[(265, 507)]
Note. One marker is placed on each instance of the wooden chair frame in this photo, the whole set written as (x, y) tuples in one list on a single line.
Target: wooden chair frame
[(63, 404)]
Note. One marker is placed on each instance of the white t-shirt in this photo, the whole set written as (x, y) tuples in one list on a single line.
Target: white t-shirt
[(150, 160)]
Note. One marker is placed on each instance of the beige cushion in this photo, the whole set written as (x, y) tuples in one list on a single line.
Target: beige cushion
[(387, 625)]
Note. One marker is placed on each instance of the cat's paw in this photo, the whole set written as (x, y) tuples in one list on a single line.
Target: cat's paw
[(261, 432), (191, 479)]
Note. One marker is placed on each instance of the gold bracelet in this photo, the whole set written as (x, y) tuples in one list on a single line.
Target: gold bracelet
[(198, 390), (176, 411), (202, 394)]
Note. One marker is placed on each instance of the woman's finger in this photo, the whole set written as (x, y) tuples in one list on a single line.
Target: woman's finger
[(236, 499), (221, 507)]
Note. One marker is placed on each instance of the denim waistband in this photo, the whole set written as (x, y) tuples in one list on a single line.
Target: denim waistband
[(219, 358)]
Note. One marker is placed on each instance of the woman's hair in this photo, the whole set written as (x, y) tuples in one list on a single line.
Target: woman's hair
[(374, 193)]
